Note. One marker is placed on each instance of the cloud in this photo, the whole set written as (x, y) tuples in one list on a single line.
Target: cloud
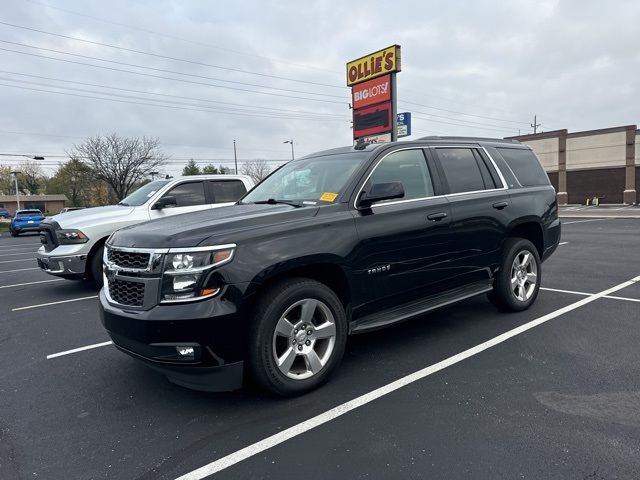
[(574, 64)]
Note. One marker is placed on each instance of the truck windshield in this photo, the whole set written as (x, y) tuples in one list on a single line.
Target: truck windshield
[(309, 180), (143, 194)]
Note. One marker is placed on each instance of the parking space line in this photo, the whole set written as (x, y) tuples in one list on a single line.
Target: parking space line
[(19, 270), (582, 221), (563, 243), (53, 303), (79, 349), (3, 250), (32, 283), (21, 260), (325, 417), (626, 299), (20, 245), (17, 254)]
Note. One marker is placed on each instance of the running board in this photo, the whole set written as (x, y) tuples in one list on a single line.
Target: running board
[(418, 307)]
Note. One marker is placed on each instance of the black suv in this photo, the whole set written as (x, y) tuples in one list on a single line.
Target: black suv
[(338, 242)]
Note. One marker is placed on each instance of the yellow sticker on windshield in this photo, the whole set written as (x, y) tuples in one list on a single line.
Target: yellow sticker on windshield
[(328, 197)]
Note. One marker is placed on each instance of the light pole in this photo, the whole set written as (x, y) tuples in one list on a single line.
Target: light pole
[(235, 155), (291, 142), (15, 174)]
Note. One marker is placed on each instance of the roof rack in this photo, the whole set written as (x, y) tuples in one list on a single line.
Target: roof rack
[(470, 139)]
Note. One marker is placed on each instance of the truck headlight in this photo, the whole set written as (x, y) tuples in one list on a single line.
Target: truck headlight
[(185, 271), (71, 236)]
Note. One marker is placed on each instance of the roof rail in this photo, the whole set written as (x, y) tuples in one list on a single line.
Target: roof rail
[(470, 139)]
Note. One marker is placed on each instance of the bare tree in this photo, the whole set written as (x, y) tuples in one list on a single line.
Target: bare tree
[(121, 162), (31, 177), (257, 169)]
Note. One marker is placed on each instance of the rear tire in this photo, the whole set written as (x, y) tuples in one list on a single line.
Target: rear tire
[(517, 282), (95, 266), (298, 335)]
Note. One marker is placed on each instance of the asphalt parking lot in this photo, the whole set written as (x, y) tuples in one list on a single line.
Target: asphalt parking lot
[(553, 392)]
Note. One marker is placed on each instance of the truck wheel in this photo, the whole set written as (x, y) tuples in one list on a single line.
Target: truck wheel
[(13, 233), (95, 266), (297, 336), (518, 280)]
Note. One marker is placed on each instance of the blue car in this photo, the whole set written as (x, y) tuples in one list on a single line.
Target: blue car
[(25, 221)]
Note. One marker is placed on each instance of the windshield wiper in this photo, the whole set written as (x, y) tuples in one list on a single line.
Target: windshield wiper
[(124, 204), (273, 201)]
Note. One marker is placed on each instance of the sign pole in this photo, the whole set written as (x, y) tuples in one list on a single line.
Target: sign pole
[(394, 109)]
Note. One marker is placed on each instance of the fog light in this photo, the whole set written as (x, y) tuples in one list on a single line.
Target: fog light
[(186, 351), (183, 282)]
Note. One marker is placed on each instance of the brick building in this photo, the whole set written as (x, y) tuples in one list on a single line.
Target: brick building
[(46, 203), (601, 163)]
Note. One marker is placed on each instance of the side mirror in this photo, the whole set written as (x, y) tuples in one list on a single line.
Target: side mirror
[(166, 201), (379, 192)]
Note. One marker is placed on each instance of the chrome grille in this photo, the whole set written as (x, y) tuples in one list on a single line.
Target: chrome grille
[(126, 292), (122, 259)]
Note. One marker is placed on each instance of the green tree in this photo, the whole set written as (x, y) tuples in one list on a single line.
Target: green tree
[(74, 179), (191, 168), (6, 180), (210, 169)]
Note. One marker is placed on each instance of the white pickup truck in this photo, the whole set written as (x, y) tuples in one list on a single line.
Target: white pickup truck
[(72, 242)]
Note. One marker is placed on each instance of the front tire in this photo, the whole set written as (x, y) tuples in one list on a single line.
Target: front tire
[(95, 266), (518, 279), (298, 336)]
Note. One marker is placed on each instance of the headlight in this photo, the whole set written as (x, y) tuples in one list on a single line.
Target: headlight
[(185, 271), (72, 236)]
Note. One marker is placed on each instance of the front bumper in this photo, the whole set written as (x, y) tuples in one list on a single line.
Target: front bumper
[(212, 327), (65, 266)]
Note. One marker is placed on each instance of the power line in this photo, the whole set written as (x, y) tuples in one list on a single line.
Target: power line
[(226, 110), (505, 128), (162, 70), (166, 95), (166, 57), (466, 114), (204, 109), (460, 124), (174, 37)]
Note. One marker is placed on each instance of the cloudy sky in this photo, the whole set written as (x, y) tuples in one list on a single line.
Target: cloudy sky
[(264, 72)]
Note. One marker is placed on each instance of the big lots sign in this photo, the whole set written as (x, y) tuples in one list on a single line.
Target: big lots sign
[(372, 91)]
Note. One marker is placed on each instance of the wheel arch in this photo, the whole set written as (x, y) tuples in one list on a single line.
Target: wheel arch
[(325, 269), (530, 229)]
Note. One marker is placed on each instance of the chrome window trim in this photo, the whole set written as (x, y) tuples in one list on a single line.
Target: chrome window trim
[(398, 202)]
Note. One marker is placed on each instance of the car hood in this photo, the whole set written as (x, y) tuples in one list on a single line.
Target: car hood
[(209, 227), (91, 216)]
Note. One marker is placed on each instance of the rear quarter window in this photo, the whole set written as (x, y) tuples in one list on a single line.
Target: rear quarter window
[(525, 166)]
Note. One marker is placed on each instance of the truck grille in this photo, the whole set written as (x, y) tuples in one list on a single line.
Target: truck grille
[(125, 292), (122, 259)]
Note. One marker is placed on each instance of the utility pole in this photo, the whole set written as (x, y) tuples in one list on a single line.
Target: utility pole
[(291, 142), (235, 155), (15, 177), (535, 124)]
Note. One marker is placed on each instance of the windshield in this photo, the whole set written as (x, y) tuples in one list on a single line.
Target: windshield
[(143, 194), (309, 180), (28, 213)]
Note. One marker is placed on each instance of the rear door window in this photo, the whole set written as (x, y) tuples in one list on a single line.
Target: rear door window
[(227, 190), (525, 166), (464, 171)]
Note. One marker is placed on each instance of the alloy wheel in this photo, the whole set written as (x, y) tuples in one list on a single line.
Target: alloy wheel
[(304, 339), (524, 275)]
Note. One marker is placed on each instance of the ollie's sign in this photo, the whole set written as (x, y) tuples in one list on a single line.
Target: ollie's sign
[(374, 65), (372, 91)]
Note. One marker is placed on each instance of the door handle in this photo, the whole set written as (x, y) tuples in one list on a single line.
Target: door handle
[(500, 205), (436, 217)]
